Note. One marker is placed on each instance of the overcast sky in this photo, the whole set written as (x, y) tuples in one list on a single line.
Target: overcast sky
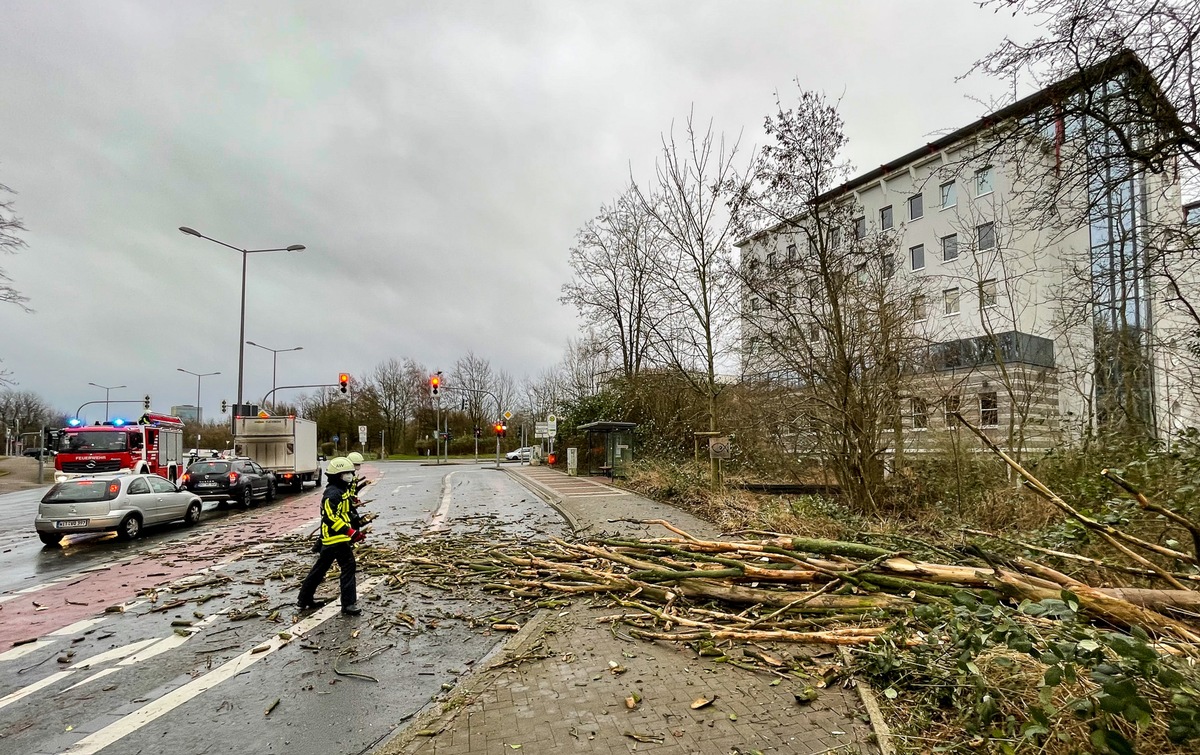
[(436, 158)]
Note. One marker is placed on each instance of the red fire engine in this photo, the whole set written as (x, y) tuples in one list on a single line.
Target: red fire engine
[(153, 444)]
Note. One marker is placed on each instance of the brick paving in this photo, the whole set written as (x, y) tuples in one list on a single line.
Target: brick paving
[(570, 700)]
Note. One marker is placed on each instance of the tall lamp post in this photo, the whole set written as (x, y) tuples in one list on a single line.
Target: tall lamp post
[(242, 320), (106, 392), (274, 362), (199, 411)]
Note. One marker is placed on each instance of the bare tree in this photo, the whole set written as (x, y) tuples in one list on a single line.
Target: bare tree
[(688, 201), (395, 398), (612, 262), (10, 243), (474, 375), (826, 317)]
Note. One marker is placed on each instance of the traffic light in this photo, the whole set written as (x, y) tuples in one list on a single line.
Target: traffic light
[(344, 380), (477, 431), (146, 401), (503, 430), (224, 406), (435, 385), (499, 428)]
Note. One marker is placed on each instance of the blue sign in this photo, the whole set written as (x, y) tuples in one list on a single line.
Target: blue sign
[(335, 439)]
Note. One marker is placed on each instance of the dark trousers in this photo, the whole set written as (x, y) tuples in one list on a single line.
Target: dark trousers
[(343, 553)]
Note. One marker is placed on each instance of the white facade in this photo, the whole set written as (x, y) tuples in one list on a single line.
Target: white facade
[(958, 221)]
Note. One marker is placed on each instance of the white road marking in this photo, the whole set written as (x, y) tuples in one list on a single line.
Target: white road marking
[(151, 711), (23, 650), (78, 626), (93, 677), (27, 691), (399, 488), (120, 652), (437, 521)]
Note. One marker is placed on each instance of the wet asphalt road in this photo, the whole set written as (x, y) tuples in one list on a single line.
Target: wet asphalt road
[(142, 681)]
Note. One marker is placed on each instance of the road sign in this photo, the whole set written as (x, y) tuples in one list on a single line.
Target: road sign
[(552, 423), (541, 430), (508, 415), (362, 433), (718, 448), (336, 439)]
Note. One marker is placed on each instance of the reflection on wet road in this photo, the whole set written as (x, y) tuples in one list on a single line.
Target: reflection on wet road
[(221, 643)]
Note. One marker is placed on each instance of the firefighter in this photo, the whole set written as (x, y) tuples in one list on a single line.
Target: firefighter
[(338, 536)]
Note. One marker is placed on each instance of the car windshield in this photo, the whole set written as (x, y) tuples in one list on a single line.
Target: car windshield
[(93, 441), (82, 491), (209, 467)]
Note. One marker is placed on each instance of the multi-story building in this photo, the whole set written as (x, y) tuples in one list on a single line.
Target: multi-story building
[(1027, 251), (186, 412)]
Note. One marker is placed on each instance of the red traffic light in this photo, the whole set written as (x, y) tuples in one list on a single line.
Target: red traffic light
[(435, 384)]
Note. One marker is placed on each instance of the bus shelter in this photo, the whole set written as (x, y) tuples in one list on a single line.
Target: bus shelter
[(609, 447)]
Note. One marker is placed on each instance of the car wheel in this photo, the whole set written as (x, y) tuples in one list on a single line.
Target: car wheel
[(130, 528), (247, 497), (192, 517), (50, 539), (270, 491)]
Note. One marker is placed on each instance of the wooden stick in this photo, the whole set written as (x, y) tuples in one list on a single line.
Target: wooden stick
[(1148, 505)]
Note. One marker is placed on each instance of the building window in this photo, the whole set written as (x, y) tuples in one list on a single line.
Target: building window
[(950, 301), (860, 228), (791, 252), (835, 238), (860, 272), (983, 181), (920, 414), (916, 255), (950, 247), (916, 207), (812, 245), (791, 295), (889, 265), (989, 409), (949, 195), (771, 261), (987, 293), (986, 236), (953, 406), (920, 308), (885, 218), (754, 304)]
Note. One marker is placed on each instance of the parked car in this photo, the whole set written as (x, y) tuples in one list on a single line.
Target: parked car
[(124, 503), (524, 453), (33, 453), (220, 480)]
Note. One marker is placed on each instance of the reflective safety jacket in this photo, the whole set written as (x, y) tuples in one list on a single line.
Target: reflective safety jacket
[(336, 514)]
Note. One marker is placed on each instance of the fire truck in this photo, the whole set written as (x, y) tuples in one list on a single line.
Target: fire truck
[(153, 444)]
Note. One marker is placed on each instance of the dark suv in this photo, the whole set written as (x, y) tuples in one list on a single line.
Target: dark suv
[(219, 480)]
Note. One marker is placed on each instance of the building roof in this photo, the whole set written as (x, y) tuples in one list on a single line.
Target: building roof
[(1056, 92)]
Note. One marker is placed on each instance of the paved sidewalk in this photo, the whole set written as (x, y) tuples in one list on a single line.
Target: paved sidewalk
[(565, 698)]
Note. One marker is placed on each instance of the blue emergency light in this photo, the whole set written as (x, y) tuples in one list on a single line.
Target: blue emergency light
[(118, 422), (74, 422)]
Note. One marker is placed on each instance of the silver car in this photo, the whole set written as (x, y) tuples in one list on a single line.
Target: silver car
[(121, 503)]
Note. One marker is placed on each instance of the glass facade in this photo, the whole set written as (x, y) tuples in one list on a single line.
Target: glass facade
[(1120, 298)]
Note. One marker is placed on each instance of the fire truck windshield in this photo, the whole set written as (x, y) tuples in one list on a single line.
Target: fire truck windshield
[(83, 442)]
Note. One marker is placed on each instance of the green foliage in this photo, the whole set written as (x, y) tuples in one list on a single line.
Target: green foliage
[(1020, 683)]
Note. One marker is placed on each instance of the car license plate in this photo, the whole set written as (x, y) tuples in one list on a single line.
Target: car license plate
[(206, 484), (65, 523)]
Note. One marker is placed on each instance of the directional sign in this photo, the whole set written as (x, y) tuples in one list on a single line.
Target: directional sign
[(362, 433), (336, 439), (541, 430)]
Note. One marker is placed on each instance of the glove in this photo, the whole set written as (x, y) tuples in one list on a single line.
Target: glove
[(357, 536)]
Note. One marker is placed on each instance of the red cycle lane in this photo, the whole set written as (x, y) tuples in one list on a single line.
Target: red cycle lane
[(35, 614)]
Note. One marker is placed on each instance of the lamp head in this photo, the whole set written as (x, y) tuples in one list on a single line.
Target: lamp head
[(292, 248), (189, 231)]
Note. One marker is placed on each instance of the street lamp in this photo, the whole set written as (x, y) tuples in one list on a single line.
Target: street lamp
[(106, 390), (242, 320), (274, 362), (199, 411)]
